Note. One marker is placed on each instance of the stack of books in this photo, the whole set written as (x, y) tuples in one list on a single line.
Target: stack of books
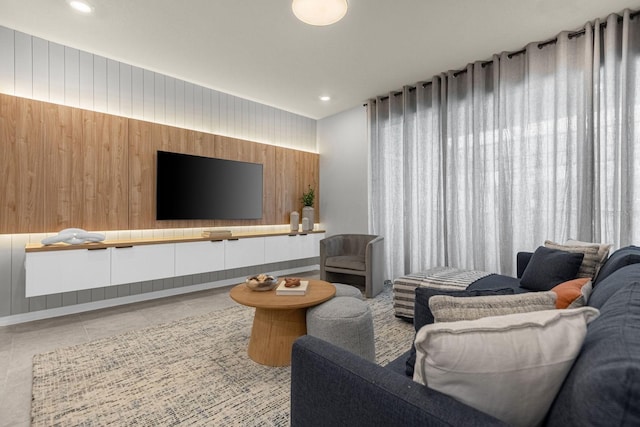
[(298, 290), (217, 234)]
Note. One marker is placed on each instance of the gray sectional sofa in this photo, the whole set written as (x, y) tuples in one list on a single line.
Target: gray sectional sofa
[(332, 387)]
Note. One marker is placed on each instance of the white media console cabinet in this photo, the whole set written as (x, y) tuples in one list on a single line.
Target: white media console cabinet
[(63, 268)]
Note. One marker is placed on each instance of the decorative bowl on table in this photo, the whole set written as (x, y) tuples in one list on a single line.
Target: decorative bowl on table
[(261, 282)]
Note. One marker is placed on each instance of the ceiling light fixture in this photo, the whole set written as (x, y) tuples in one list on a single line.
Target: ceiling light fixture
[(325, 98), (319, 12), (80, 6)]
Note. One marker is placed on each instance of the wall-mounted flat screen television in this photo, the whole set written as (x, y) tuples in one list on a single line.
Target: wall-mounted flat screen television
[(196, 187)]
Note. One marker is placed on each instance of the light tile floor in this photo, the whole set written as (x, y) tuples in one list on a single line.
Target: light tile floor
[(19, 343)]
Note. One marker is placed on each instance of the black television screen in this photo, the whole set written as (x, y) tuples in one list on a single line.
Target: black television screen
[(195, 187)]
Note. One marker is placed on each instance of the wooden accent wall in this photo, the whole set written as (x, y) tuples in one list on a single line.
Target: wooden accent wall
[(64, 167)]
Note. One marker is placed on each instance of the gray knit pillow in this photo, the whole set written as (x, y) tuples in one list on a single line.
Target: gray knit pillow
[(452, 309), (592, 260)]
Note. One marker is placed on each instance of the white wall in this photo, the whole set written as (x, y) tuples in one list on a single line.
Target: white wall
[(343, 148)]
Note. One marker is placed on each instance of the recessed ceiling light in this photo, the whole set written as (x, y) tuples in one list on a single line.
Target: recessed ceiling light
[(80, 6), (325, 98)]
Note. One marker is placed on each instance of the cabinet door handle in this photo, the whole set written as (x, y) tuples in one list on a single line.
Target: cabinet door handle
[(233, 239), (124, 247), (96, 249), (215, 241)]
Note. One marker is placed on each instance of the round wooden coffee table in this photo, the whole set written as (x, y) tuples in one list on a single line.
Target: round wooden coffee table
[(279, 319)]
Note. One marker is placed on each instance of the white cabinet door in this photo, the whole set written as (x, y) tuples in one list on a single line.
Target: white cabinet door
[(310, 245), (199, 257), (131, 264), (52, 272), (281, 248), (243, 252)]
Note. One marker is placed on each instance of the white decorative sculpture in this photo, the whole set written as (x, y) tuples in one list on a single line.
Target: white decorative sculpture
[(73, 236)]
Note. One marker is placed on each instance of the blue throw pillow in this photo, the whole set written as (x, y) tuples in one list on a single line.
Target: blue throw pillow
[(422, 313), (620, 258), (550, 267)]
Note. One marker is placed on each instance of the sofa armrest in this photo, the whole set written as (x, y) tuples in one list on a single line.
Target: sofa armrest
[(329, 246), (522, 260), (331, 386)]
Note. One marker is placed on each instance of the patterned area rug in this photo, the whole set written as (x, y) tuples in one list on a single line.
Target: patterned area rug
[(193, 371)]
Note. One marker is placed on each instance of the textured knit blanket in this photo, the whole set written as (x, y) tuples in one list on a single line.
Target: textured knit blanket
[(445, 278)]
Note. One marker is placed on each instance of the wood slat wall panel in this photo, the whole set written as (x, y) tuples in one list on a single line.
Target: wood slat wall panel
[(66, 167), (28, 162), (9, 194), (140, 173), (292, 181), (62, 130), (105, 181)]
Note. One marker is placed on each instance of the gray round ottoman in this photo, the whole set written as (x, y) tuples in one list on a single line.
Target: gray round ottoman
[(345, 322), (343, 290)]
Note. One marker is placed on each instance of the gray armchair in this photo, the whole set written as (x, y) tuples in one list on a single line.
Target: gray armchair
[(355, 259)]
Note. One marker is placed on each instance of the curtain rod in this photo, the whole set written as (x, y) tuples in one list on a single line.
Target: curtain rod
[(510, 55)]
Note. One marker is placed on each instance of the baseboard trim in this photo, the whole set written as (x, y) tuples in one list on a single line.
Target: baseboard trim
[(113, 302)]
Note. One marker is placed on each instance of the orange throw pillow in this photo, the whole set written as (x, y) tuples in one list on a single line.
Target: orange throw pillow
[(569, 291)]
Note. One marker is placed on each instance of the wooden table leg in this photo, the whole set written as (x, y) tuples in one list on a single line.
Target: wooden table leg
[(273, 334)]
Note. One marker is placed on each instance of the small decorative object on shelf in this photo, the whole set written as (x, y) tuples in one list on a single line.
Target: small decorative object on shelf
[(300, 289), (294, 220), (308, 197), (219, 234), (73, 236), (261, 282)]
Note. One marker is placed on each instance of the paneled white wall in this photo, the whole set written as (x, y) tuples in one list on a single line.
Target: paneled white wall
[(31, 67), (34, 68)]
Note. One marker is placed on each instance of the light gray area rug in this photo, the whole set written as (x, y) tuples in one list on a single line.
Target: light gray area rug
[(192, 372)]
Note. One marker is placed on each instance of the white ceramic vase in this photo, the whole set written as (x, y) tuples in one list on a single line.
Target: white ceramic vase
[(308, 212), (294, 222)]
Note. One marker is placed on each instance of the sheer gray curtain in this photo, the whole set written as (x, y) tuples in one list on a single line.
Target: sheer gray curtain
[(478, 164)]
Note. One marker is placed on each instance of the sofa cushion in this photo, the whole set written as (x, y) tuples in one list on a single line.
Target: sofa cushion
[(591, 262), (423, 316), (510, 367), (603, 387), (612, 284), (549, 267), (573, 293), (620, 258), (498, 281), (450, 309), (348, 262)]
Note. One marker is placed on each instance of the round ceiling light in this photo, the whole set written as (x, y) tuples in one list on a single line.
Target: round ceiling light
[(80, 6), (319, 12), (325, 98)]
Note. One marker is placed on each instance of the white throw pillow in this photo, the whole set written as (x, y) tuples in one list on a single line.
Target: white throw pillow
[(510, 367)]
